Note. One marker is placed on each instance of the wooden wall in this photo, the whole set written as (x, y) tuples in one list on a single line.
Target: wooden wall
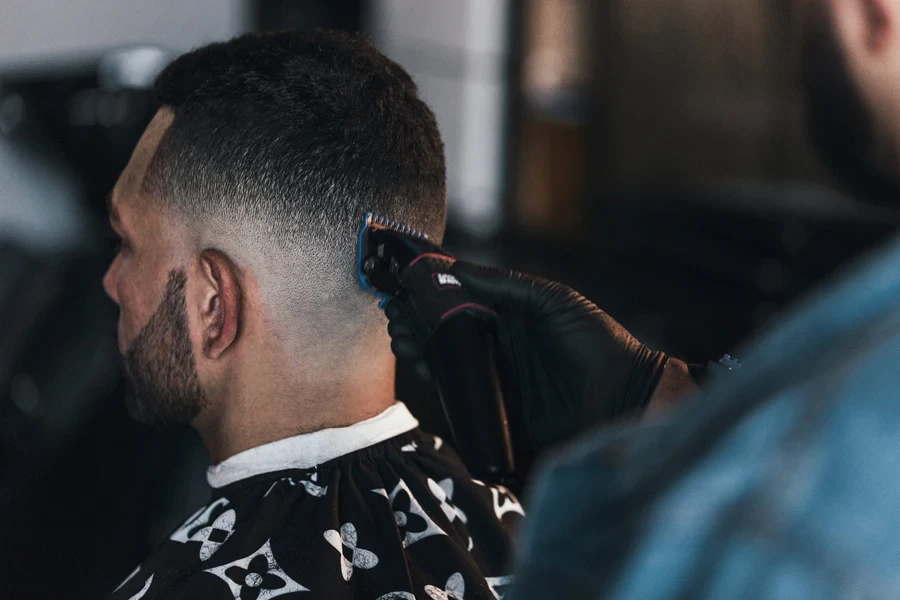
[(679, 94), (696, 92)]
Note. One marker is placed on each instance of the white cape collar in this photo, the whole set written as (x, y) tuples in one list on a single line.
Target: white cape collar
[(310, 449)]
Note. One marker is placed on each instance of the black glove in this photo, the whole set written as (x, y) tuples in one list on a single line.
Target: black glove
[(569, 364)]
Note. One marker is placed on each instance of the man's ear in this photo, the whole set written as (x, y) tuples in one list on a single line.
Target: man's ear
[(869, 24), (220, 304)]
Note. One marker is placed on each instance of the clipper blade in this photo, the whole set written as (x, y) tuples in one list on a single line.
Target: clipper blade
[(373, 220), (385, 247)]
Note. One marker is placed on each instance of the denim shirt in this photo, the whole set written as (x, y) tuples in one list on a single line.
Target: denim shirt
[(782, 480)]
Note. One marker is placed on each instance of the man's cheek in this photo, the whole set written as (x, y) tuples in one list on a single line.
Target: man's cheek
[(128, 327), (121, 337)]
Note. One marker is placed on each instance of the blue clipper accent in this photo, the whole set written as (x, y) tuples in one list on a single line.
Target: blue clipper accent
[(372, 221), (360, 250), (360, 243)]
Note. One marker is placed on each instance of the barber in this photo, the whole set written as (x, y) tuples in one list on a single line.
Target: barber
[(780, 481)]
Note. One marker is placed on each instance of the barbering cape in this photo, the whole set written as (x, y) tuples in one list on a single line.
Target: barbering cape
[(361, 512)]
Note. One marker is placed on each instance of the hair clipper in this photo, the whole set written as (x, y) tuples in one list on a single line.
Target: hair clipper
[(400, 264)]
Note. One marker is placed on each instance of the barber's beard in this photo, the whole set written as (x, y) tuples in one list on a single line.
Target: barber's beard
[(842, 128), (161, 376)]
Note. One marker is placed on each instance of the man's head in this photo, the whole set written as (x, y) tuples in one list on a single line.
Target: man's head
[(851, 71), (240, 207)]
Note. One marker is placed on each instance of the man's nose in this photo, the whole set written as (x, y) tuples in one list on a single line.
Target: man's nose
[(109, 280)]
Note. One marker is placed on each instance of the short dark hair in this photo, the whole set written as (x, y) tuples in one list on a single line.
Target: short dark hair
[(298, 133)]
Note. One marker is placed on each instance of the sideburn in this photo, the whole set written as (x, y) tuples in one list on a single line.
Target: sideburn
[(163, 386)]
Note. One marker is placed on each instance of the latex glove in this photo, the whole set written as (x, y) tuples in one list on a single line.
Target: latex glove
[(567, 364)]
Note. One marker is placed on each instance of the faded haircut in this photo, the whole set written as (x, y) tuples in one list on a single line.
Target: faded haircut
[(280, 143)]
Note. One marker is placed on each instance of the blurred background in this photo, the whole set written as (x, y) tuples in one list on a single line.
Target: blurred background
[(650, 153)]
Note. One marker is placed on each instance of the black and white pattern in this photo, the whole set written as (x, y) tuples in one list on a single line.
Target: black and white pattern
[(256, 577), (143, 591), (505, 502), (213, 536), (345, 542), (210, 535), (198, 520), (499, 585), (381, 523), (413, 522), (311, 485), (455, 589), (443, 491)]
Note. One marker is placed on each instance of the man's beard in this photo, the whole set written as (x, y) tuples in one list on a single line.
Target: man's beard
[(160, 372), (842, 129)]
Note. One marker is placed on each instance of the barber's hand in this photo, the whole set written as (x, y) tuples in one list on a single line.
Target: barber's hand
[(573, 365)]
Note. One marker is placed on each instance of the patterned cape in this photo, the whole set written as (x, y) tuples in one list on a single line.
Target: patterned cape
[(400, 519)]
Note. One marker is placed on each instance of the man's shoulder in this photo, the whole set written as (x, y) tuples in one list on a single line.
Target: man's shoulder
[(817, 392)]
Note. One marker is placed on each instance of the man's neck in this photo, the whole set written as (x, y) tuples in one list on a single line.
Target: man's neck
[(258, 415)]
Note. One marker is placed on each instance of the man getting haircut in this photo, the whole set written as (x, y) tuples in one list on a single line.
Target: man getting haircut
[(241, 315)]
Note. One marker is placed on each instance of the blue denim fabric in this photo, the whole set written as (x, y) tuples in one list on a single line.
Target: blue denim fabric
[(782, 480)]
